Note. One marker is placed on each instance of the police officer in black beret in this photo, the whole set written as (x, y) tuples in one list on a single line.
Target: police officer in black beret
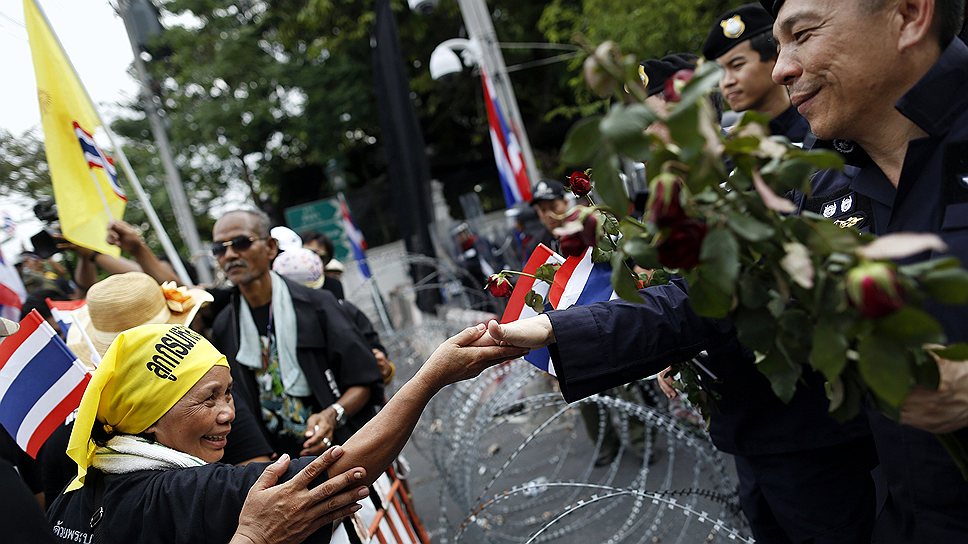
[(887, 82), (741, 41)]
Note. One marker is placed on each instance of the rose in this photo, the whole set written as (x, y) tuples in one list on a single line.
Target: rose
[(574, 237), (675, 84), (665, 204), (680, 246), (596, 76), (499, 286), (874, 290), (579, 183)]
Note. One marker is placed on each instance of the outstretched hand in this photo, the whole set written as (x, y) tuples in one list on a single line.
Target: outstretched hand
[(465, 355), (531, 333), (291, 511)]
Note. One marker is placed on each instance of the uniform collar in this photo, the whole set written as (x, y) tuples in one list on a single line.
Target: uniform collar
[(941, 95), (783, 123)]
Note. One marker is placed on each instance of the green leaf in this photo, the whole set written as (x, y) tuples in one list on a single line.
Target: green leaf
[(756, 329), (923, 267), (610, 226), (624, 127), (820, 159), (825, 237), (719, 258), (600, 255), (851, 400), (622, 281), (642, 251), (631, 227), (753, 291), (911, 327), (953, 352), (749, 228), (828, 354), (546, 272), (884, 368), (609, 185), (534, 301), (783, 376), (947, 286), (792, 174), (583, 141)]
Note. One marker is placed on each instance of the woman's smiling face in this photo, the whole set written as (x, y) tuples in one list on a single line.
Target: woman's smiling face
[(199, 423)]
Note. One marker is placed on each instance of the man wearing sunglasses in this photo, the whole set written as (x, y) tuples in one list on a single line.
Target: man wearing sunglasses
[(296, 358)]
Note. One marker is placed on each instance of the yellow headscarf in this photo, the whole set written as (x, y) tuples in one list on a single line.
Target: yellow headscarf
[(143, 374)]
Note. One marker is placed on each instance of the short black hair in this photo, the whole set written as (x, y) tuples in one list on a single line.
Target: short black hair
[(765, 45), (321, 239), (949, 18)]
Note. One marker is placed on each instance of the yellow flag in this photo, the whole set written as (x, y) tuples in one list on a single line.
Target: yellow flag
[(86, 185)]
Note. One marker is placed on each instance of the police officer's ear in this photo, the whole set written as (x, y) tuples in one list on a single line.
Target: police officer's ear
[(915, 21)]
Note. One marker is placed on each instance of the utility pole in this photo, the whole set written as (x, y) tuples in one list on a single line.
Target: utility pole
[(477, 20), (176, 191)]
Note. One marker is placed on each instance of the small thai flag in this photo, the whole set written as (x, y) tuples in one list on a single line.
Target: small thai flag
[(63, 313), (41, 383), (507, 149), (12, 292), (355, 237), (517, 309), (579, 281), (97, 158)]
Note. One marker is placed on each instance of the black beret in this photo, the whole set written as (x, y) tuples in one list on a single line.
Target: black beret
[(773, 6), (547, 189), (655, 72), (734, 27)]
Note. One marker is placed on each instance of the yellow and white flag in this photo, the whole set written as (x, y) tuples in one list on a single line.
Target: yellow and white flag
[(86, 185)]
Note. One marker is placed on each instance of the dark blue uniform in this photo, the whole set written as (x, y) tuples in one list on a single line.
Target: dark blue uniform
[(803, 476), (927, 499)]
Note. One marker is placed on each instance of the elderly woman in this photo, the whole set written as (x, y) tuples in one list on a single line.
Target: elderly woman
[(151, 429)]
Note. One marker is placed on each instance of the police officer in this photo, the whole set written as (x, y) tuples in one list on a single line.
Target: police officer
[(888, 83), (803, 476), (741, 41)]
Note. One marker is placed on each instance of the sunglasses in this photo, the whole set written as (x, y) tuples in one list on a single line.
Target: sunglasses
[(239, 243)]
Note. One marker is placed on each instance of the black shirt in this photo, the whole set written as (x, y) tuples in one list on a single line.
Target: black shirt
[(179, 506)]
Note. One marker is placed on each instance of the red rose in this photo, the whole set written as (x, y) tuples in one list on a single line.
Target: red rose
[(675, 84), (579, 183), (680, 246), (874, 290), (499, 286), (574, 237), (665, 204)]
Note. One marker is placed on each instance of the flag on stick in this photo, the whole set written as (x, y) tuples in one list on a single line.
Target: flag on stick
[(63, 312), (517, 308), (41, 383), (12, 291), (511, 167), (355, 237), (578, 282), (86, 185)]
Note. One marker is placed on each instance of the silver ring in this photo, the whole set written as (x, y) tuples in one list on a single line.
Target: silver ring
[(327, 442)]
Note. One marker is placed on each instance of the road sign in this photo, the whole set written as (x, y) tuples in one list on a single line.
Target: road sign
[(321, 216)]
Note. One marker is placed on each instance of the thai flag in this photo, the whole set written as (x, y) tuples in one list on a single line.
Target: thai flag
[(12, 291), (579, 281), (507, 150), (517, 309), (41, 383), (355, 237), (96, 158), (63, 313)]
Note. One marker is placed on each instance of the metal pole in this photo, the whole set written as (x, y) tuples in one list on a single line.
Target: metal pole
[(184, 217), (126, 166), (477, 20)]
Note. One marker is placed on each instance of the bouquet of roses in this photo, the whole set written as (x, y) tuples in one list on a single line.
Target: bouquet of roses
[(804, 293)]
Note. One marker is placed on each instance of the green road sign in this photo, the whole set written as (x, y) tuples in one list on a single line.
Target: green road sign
[(321, 216)]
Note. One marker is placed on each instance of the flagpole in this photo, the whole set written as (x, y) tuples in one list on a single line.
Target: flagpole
[(166, 244)]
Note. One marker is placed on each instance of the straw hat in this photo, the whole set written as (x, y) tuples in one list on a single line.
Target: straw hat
[(301, 266), (124, 301)]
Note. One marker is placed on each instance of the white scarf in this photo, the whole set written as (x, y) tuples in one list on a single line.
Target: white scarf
[(284, 329), (125, 453)]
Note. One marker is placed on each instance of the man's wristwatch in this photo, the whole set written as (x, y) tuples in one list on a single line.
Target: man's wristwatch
[(340, 413)]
